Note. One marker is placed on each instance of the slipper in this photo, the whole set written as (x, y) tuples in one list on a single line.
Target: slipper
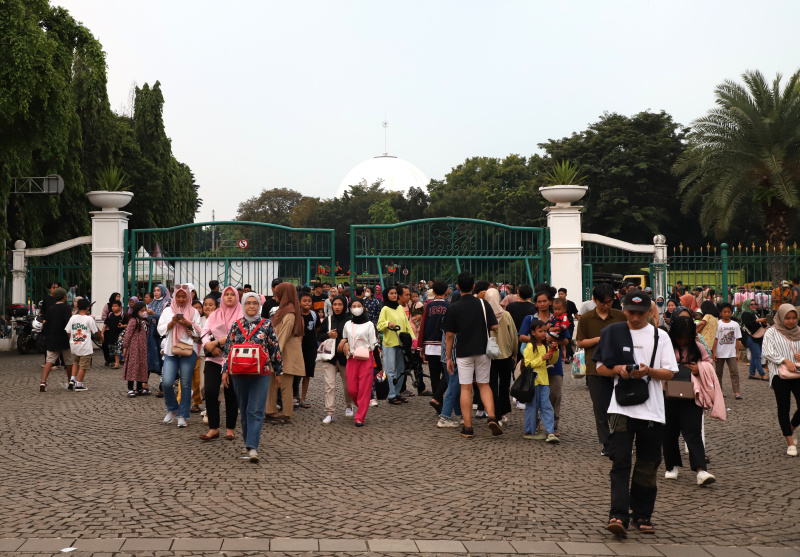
[(230, 436), (616, 527), (753, 377), (207, 437), (395, 401), (305, 405), (426, 393), (765, 377), (644, 526)]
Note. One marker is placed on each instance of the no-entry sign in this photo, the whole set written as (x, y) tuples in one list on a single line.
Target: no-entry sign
[(243, 244)]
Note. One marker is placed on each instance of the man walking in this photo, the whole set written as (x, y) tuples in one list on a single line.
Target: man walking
[(471, 319), (638, 357)]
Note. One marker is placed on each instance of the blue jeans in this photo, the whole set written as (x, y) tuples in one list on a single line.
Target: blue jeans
[(251, 392), (755, 357), (452, 396), (172, 366), (540, 403), (394, 366)]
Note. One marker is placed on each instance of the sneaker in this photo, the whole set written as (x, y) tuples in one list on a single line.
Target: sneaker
[(373, 403), (328, 419), (480, 414), (704, 478), (81, 388), (791, 450), (131, 394), (552, 439), (504, 419), (520, 406), (43, 389), (671, 474), (496, 428), (253, 456), (446, 422), (71, 385), (170, 417), (205, 419), (348, 412), (182, 422), (359, 424), (467, 432)]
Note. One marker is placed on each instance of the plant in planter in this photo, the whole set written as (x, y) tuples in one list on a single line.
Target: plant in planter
[(564, 173), (112, 178), (563, 184)]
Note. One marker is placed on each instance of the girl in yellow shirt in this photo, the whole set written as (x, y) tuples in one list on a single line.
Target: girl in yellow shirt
[(537, 355)]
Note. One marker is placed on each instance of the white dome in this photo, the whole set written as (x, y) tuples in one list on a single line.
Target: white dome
[(397, 175)]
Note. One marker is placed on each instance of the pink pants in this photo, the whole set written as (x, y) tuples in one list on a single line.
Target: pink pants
[(359, 384)]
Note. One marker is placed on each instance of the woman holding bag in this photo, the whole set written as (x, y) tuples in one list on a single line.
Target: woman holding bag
[(360, 339), (289, 328), (333, 328), (754, 330), (782, 352)]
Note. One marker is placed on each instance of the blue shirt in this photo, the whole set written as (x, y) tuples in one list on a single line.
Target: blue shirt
[(525, 329)]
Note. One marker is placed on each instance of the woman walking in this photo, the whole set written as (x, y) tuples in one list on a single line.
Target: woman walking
[(180, 323), (754, 329), (333, 328), (289, 328), (708, 325), (161, 300), (251, 390), (135, 352), (360, 339), (782, 350), (502, 367), (391, 323), (215, 335)]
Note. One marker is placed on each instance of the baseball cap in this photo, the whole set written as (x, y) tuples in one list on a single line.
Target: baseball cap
[(636, 300), (648, 289), (785, 283)]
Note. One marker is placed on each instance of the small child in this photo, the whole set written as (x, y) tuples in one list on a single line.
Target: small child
[(111, 330), (559, 323), (724, 350), (135, 351), (80, 329), (537, 355), (309, 344)]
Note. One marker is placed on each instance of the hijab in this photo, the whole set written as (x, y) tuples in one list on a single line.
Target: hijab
[(187, 310), (221, 321), (339, 319), (792, 334), (378, 292), (364, 317), (135, 301), (746, 306), (689, 301), (387, 302), (493, 297), (157, 305), (288, 303), (257, 317)]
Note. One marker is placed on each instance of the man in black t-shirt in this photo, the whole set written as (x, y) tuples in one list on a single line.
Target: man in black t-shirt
[(317, 298), (471, 319), (57, 339), (215, 293), (519, 310)]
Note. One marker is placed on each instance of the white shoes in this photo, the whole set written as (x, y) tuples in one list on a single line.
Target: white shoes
[(447, 422), (182, 422), (672, 474), (328, 419), (791, 450), (253, 456), (169, 418), (704, 478), (348, 412), (373, 403), (520, 406)]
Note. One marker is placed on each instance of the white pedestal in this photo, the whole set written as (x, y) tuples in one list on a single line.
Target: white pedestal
[(566, 251), (108, 256), (18, 293)]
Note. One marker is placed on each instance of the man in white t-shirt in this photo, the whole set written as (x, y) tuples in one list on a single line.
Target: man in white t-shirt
[(724, 350), (635, 350)]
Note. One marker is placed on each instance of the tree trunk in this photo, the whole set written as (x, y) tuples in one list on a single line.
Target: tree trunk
[(778, 228)]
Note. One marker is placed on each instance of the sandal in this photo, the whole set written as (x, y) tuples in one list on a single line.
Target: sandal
[(753, 377), (207, 437), (304, 404), (131, 394), (144, 392), (436, 406), (160, 394), (467, 432), (395, 401), (230, 436), (194, 409), (643, 525), (403, 400), (616, 527)]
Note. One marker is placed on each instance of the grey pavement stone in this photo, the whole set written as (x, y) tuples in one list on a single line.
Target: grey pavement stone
[(10, 544), (489, 546), (579, 548), (100, 544), (245, 544), (632, 549), (196, 544), (147, 544), (293, 544), (45, 545), (537, 548), (718, 551), (440, 546), (329, 544), (393, 546), (683, 551), (775, 551)]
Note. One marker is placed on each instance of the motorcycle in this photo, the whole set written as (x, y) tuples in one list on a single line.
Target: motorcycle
[(29, 334)]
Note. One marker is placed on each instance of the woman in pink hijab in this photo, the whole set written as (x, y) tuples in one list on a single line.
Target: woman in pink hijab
[(214, 336), (180, 324)]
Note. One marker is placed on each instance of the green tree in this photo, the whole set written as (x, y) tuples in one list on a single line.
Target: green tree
[(382, 212), (274, 206), (743, 158)]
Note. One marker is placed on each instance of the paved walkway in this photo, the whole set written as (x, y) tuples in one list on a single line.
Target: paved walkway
[(82, 466)]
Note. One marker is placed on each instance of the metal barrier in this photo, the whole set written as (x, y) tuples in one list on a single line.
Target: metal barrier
[(69, 267)]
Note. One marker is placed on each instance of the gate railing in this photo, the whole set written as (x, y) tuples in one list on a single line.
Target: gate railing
[(69, 263)]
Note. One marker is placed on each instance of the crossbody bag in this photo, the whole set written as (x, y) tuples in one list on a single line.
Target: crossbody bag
[(633, 391)]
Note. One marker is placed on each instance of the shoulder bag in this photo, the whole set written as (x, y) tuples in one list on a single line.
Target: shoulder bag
[(248, 358), (680, 386), (492, 348), (359, 352), (759, 331), (630, 392), (783, 371), (182, 349), (327, 348)]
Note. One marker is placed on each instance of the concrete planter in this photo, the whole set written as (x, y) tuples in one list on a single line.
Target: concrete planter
[(563, 196), (109, 200)]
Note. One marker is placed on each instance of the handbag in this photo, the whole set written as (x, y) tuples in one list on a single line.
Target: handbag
[(248, 358), (524, 387), (327, 348), (758, 334), (492, 348), (783, 371), (630, 392), (360, 352), (182, 349), (680, 386)]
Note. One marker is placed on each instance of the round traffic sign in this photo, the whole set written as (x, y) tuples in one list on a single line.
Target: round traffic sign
[(243, 244), (405, 272)]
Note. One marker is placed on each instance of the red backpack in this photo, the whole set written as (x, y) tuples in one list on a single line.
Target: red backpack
[(248, 358)]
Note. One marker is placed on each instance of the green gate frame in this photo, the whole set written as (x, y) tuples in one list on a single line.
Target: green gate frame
[(69, 267), (436, 243), (266, 242)]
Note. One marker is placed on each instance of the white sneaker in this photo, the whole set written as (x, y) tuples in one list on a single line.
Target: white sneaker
[(704, 478), (520, 406), (348, 412), (205, 419), (791, 450), (169, 418), (671, 474), (182, 422), (504, 419), (253, 456), (447, 422), (328, 419), (373, 403)]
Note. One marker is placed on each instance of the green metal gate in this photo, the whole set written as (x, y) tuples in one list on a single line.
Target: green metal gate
[(232, 252), (441, 248), (71, 267)]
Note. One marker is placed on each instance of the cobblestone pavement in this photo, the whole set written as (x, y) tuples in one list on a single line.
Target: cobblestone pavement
[(97, 464)]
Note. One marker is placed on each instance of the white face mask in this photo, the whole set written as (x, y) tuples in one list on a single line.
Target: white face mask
[(357, 311), (367, 294), (142, 314)]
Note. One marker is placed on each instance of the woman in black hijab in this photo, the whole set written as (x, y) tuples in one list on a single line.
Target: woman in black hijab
[(360, 339), (332, 327)]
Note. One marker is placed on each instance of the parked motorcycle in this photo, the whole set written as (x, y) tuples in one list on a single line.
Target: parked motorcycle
[(29, 334)]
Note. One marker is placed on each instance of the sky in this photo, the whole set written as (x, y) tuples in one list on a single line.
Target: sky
[(292, 94)]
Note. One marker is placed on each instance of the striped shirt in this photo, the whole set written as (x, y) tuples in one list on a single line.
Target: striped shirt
[(777, 348)]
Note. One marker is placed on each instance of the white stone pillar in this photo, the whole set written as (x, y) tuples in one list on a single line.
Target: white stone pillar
[(108, 255), (659, 274), (18, 291), (566, 251)]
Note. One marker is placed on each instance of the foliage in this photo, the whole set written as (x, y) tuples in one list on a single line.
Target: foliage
[(743, 157), (563, 173), (111, 178), (382, 212), (273, 206)]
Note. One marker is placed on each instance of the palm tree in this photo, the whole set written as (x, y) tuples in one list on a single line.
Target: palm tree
[(745, 155)]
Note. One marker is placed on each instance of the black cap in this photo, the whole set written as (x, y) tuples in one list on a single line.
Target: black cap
[(636, 300), (276, 282)]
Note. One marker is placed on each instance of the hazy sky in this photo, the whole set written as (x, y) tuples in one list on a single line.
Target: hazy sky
[(292, 94)]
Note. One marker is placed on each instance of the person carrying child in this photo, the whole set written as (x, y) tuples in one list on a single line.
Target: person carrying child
[(80, 329), (540, 352)]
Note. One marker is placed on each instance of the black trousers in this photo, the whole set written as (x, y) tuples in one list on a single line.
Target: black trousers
[(784, 389), (436, 371), (683, 417), (633, 498), (213, 378), (108, 346), (500, 382), (601, 389)]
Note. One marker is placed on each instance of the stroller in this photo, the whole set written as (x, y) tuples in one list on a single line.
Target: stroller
[(412, 363)]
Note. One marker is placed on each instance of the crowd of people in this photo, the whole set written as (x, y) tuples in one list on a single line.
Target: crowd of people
[(653, 370)]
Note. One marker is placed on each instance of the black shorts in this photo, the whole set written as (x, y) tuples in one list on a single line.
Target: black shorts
[(310, 360)]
